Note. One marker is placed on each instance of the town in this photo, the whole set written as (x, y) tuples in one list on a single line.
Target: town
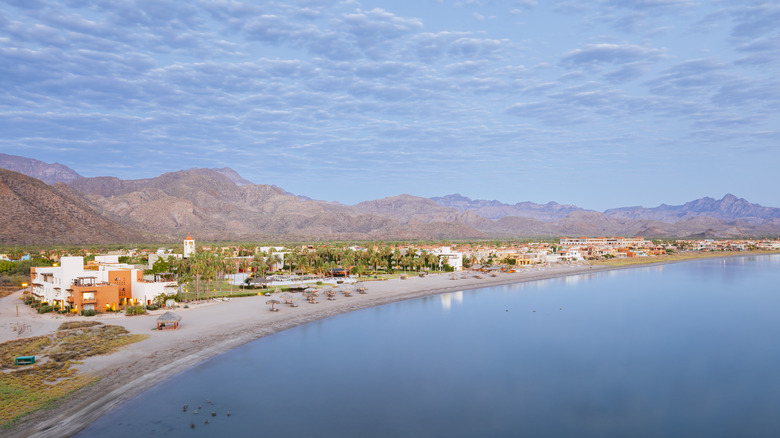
[(93, 281)]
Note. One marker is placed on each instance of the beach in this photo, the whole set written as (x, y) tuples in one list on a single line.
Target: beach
[(210, 328)]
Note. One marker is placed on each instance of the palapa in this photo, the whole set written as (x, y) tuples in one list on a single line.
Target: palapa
[(168, 319), (273, 303)]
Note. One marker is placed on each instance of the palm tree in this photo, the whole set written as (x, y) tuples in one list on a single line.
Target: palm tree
[(278, 261)]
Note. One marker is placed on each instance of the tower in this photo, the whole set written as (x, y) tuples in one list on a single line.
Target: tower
[(189, 246)]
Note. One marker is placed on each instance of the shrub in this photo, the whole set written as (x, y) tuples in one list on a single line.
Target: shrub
[(78, 324), (186, 306), (45, 309), (89, 312), (135, 310), (152, 307)]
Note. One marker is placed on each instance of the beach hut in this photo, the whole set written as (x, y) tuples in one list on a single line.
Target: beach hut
[(168, 319), (272, 303)]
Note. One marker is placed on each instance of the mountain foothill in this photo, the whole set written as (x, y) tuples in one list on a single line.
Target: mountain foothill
[(43, 203)]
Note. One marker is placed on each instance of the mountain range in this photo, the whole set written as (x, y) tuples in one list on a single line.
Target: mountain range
[(218, 204)]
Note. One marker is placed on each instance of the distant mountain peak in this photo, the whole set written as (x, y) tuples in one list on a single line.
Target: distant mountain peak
[(233, 176), (495, 210), (728, 208), (48, 173)]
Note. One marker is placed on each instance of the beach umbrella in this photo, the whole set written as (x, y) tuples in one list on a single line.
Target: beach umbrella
[(286, 297), (273, 303), (168, 318)]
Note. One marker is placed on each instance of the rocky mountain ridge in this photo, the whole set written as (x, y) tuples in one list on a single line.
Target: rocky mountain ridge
[(496, 210), (729, 208), (33, 212), (218, 204), (48, 173)]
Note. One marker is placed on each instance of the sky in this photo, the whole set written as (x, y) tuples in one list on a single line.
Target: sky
[(596, 103)]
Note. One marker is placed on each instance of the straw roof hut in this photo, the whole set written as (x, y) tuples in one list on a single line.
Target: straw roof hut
[(273, 303), (168, 319)]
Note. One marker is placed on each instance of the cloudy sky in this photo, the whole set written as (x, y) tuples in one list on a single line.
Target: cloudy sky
[(598, 103)]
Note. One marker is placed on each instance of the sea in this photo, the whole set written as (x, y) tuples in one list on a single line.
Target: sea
[(687, 349)]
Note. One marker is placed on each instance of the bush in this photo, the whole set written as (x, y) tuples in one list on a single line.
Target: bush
[(89, 312), (135, 310), (152, 307), (78, 324), (45, 309)]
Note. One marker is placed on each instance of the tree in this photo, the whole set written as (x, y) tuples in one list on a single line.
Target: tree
[(161, 265)]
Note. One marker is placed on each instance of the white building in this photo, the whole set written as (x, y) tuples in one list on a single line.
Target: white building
[(189, 246), (102, 285), (449, 257)]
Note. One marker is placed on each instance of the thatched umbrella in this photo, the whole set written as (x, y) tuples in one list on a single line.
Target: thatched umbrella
[(168, 318), (286, 297), (273, 303), (310, 297), (330, 294)]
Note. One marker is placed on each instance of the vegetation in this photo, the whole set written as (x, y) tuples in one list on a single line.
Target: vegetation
[(14, 274), (24, 389), (135, 310)]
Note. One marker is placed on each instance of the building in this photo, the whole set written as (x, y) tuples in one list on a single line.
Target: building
[(448, 257), (617, 242), (102, 285), (189, 246)]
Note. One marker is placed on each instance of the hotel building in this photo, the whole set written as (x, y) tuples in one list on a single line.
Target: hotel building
[(103, 285)]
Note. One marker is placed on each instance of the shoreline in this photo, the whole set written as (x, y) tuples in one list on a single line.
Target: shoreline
[(226, 325)]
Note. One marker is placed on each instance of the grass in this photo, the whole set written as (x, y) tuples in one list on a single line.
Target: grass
[(25, 389), (8, 290)]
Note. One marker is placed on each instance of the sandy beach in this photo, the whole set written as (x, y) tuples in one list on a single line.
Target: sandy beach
[(208, 329)]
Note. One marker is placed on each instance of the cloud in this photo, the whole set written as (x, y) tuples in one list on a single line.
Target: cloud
[(643, 5), (458, 45), (755, 21), (379, 24), (610, 53), (311, 83), (695, 74)]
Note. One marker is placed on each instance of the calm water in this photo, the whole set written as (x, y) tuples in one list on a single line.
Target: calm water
[(680, 350)]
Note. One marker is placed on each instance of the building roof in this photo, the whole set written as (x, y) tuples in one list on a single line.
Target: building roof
[(169, 317)]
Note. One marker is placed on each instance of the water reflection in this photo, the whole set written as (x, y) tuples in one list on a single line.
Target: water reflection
[(448, 299)]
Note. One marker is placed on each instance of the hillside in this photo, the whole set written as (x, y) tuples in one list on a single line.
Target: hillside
[(207, 203), (33, 212)]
